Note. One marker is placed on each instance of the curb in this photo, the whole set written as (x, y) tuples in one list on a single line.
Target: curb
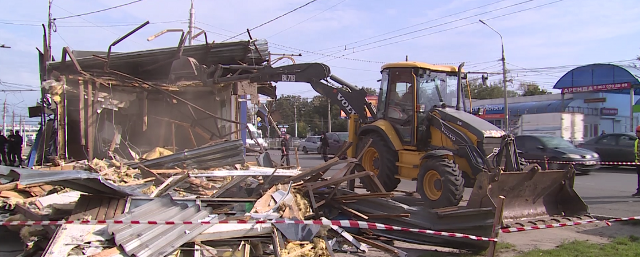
[(603, 217)]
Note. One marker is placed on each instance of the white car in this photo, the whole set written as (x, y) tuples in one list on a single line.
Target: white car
[(310, 144)]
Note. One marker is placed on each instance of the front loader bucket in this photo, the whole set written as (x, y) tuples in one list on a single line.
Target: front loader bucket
[(529, 194)]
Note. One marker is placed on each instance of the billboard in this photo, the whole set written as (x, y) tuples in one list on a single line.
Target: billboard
[(373, 99), (605, 87)]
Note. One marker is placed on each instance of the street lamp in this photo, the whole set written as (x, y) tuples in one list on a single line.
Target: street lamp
[(504, 80)]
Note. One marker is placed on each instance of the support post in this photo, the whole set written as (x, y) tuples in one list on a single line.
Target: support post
[(83, 133), (631, 96), (497, 224), (329, 114)]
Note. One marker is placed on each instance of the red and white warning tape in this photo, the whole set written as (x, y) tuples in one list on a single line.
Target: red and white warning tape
[(584, 162), (567, 224), (340, 223)]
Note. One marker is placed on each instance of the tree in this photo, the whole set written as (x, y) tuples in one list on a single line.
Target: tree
[(370, 91), (531, 88), (492, 91)]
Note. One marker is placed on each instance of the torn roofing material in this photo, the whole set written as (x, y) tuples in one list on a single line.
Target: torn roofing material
[(155, 64), (159, 240), (211, 156), (80, 180)]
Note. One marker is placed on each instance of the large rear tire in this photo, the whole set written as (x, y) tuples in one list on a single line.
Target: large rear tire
[(440, 183), (380, 158)]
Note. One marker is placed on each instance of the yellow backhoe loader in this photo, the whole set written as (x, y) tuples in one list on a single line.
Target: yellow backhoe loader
[(418, 133)]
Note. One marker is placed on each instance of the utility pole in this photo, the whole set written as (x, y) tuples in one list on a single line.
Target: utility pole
[(295, 118), (50, 30), (13, 120), (329, 113), (4, 116), (504, 81), (192, 21)]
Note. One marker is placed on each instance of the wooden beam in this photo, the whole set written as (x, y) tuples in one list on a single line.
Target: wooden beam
[(90, 129), (193, 139), (173, 137), (145, 113), (83, 127)]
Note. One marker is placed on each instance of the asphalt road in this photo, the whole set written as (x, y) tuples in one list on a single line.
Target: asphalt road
[(606, 191)]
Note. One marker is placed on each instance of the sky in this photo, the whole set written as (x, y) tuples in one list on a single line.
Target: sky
[(543, 39)]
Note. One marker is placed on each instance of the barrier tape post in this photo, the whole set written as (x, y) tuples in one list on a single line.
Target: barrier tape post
[(497, 223), (340, 223)]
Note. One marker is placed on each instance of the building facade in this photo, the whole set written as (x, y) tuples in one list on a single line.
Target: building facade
[(604, 93)]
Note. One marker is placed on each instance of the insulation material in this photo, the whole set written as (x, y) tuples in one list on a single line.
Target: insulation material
[(155, 153)]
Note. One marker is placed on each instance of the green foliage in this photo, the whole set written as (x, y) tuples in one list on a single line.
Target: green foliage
[(530, 88), (493, 90)]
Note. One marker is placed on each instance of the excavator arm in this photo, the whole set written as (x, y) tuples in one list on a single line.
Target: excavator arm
[(350, 99)]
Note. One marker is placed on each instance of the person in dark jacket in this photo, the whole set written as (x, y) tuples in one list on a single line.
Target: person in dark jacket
[(15, 149), (324, 146), (284, 145), (3, 149)]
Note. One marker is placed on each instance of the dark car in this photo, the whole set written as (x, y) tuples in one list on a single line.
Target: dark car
[(556, 149), (615, 147), (336, 139)]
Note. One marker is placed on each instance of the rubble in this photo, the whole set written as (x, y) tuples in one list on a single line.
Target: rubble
[(169, 188)]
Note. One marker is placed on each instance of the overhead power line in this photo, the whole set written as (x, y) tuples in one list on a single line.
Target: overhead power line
[(101, 10), (440, 31), (331, 7), (285, 14), (412, 26), (88, 26)]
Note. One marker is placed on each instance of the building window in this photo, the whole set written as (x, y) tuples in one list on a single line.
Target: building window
[(585, 131)]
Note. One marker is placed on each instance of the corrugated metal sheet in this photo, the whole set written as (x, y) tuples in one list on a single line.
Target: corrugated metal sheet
[(159, 240), (80, 180), (218, 155), (136, 63)]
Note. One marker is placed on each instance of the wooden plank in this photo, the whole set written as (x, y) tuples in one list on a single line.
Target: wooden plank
[(317, 169), (145, 113), (173, 137), (120, 207), (193, 139), (116, 135), (83, 127), (92, 209), (380, 246), (91, 119), (363, 196), (80, 207), (111, 209), (102, 210)]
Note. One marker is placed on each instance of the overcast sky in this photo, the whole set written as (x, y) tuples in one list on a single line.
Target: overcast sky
[(354, 37)]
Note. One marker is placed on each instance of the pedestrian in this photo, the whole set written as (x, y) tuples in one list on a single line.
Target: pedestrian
[(637, 161), (324, 146), (3, 149), (284, 144), (14, 148)]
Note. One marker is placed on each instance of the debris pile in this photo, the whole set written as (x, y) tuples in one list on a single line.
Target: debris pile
[(208, 185)]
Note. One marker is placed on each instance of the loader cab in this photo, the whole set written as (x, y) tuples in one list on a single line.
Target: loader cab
[(408, 90)]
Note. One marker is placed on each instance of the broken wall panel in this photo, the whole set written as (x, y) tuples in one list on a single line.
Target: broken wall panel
[(118, 107)]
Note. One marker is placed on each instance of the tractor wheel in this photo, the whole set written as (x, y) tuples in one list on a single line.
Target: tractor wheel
[(379, 158), (440, 183)]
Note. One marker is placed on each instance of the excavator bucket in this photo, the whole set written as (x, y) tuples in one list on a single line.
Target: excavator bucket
[(530, 194)]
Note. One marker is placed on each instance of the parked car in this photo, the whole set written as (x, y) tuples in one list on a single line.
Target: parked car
[(554, 148), (615, 147), (310, 144), (336, 139)]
